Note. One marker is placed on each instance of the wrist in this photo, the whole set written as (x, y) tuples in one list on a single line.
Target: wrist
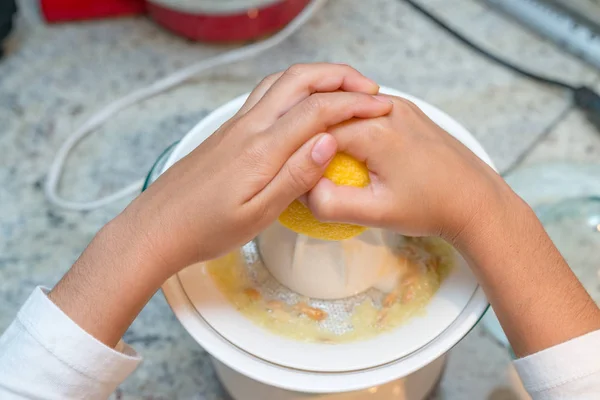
[(166, 238), (496, 209), (110, 283), (537, 298), (131, 241)]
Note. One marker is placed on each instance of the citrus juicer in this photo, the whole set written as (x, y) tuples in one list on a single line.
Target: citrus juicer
[(329, 270), (403, 363)]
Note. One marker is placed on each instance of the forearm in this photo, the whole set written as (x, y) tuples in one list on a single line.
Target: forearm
[(111, 282), (537, 298)]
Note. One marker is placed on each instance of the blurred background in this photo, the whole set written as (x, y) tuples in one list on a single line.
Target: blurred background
[(519, 74)]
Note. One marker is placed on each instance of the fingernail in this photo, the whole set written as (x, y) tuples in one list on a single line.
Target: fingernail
[(324, 149), (383, 99), (303, 199)]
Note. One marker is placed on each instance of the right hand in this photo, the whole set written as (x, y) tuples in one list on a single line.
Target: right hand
[(424, 182)]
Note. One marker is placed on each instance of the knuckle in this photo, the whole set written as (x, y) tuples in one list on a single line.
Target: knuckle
[(316, 103), (405, 107), (323, 209), (269, 79), (247, 124), (254, 150), (235, 125), (295, 70), (228, 125), (262, 211), (371, 135), (340, 67), (348, 69), (375, 130), (299, 177)]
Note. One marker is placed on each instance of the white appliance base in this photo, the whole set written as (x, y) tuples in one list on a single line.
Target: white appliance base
[(416, 386)]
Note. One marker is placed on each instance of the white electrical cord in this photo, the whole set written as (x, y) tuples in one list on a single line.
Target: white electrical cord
[(95, 121)]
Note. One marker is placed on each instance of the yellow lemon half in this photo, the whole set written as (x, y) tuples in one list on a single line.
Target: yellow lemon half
[(342, 170)]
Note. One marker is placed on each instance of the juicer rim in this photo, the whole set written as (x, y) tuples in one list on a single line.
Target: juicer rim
[(317, 382)]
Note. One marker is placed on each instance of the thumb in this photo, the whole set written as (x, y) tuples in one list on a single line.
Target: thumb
[(329, 202), (299, 174)]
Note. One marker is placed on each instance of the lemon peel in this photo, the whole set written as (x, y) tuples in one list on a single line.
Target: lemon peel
[(343, 170)]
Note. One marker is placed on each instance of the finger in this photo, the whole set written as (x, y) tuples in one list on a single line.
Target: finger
[(332, 203), (363, 139), (315, 114), (259, 91), (358, 137), (301, 80), (299, 174)]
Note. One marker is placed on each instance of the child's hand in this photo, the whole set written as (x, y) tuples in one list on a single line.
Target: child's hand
[(240, 179), (423, 181)]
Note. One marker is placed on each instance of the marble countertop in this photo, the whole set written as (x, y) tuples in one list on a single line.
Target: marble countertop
[(55, 76)]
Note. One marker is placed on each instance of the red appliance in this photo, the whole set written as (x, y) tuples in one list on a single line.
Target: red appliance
[(218, 20), (72, 10), (206, 20)]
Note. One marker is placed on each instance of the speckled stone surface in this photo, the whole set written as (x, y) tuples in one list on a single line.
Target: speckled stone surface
[(53, 77), (573, 139)]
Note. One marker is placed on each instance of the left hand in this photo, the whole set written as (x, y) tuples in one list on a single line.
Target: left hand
[(242, 177), (218, 197)]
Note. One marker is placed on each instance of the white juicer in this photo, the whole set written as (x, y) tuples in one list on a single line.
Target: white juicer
[(253, 363)]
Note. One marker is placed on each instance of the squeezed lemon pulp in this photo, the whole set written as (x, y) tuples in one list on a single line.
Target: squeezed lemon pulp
[(423, 262)]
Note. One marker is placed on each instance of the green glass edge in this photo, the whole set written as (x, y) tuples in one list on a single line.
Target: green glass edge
[(166, 151)]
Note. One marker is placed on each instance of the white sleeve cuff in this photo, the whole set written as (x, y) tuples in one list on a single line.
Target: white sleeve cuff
[(571, 365), (76, 348)]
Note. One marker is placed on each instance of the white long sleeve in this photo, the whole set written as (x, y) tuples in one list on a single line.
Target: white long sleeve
[(45, 355), (568, 371)]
